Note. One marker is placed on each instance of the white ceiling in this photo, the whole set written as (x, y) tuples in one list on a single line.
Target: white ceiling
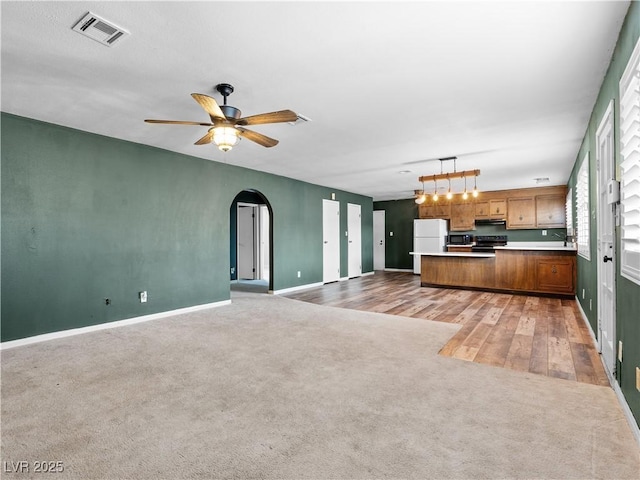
[(507, 87)]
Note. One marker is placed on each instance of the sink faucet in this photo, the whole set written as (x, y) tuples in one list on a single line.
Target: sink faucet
[(563, 237)]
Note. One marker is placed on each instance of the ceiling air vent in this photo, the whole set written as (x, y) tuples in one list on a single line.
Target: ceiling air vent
[(540, 180), (99, 29)]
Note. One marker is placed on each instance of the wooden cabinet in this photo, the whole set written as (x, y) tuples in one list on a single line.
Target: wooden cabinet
[(555, 274), (431, 209), (459, 249), (525, 208), (426, 210), (442, 209), (498, 208), (491, 209), (462, 217), (550, 211), (521, 212), (536, 271), (482, 209)]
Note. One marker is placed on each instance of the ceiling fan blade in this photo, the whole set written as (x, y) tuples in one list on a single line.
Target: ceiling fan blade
[(259, 138), (208, 138), (210, 106), (179, 122), (271, 117)]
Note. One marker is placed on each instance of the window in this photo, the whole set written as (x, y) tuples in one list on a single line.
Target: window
[(568, 207), (630, 168), (582, 204)]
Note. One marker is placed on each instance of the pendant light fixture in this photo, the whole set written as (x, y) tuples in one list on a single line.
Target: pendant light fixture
[(449, 176)]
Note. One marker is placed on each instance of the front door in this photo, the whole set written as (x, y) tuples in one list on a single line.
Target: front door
[(606, 251)]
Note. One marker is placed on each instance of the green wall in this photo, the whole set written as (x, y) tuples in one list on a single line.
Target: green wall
[(87, 217), (399, 216), (627, 292)]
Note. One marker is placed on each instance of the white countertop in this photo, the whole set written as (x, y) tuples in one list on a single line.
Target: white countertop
[(544, 246), (455, 254)]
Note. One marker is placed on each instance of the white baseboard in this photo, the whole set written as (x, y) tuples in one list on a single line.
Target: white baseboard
[(631, 420), (410, 270), (104, 326), (368, 273), (295, 289)]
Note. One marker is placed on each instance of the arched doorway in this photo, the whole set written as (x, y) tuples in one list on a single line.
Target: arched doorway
[(251, 259)]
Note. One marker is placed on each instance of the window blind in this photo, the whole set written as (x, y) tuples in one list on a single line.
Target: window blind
[(568, 207), (582, 204), (630, 168)]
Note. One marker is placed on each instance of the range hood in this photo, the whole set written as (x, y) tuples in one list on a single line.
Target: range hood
[(489, 221)]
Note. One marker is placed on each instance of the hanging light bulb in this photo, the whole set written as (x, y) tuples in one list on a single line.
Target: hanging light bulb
[(435, 190), (449, 194), (465, 195), (475, 187)]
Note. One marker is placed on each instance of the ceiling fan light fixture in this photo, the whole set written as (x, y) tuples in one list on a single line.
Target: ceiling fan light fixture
[(225, 137)]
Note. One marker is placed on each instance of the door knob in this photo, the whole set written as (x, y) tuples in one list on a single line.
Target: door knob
[(326, 241), (607, 259)]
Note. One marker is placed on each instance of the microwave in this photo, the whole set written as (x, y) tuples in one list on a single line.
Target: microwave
[(459, 239)]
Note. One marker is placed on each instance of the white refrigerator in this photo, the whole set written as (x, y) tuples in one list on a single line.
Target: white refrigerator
[(428, 236)]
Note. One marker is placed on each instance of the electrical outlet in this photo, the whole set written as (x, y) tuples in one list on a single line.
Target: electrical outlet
[(638, 378), (143, 297), (107, 301), (544, 233), (298, 273), (391, 234), (620, 351), (583, 293), (233, 270)]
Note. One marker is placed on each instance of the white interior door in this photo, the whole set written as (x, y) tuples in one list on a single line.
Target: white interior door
[(354, 236), (246, 242), (263, 243), (606, 251), (379, 260), (331, 241)]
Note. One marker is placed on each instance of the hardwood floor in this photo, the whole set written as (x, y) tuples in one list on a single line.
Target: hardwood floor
[(541, 335)]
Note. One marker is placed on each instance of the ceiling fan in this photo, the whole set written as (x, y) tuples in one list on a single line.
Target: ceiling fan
[(227, 124)]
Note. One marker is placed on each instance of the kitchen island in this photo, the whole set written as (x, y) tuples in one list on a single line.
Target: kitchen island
[(537, 270)]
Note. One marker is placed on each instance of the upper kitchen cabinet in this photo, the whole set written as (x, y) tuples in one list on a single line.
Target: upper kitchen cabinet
[(521, 212), (550, 211), (498, 208), (491, 209), (462, 217)]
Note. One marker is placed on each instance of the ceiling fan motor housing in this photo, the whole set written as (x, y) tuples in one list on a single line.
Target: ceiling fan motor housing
[(231, 112)]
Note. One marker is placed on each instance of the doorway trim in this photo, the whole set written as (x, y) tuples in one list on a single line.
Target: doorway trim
[(605, 241), (264, 201)]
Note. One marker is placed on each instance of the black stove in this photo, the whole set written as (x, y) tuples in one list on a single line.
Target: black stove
[(486, 243)]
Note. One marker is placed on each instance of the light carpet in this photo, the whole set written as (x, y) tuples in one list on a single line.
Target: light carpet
[(269, 387)]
